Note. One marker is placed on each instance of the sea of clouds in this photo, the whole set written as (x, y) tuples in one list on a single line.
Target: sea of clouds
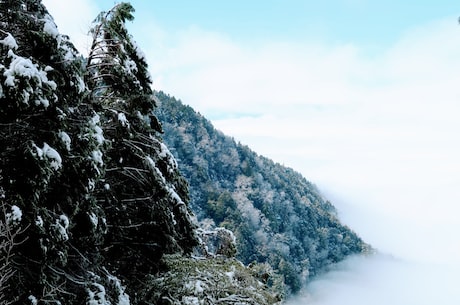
[(383, 280)]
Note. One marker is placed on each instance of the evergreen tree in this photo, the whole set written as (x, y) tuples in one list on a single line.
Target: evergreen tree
[(50, 159), (145, 197)]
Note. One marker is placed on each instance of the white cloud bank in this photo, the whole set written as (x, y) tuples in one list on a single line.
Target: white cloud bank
[(383, 281)]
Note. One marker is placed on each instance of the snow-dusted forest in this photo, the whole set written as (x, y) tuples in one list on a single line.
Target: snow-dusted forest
[(96, 209)]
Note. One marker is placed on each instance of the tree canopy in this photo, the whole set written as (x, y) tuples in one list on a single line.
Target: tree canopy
[(85, 178)]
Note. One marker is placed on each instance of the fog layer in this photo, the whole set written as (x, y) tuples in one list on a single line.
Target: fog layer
[(383, 280)]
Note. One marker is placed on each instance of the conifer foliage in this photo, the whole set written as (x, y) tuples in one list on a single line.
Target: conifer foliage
[(48, 166), (144, 195), (86, 184)]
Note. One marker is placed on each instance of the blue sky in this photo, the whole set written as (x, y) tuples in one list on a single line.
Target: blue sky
[(358, 21), (364, 22)]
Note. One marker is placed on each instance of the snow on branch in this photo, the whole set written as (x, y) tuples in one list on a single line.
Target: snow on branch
[(9, 41), (50, 154), (35, 79)]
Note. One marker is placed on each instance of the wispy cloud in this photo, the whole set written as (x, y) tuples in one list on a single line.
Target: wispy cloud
[(213, 72)]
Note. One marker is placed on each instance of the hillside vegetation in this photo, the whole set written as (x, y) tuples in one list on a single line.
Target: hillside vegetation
[(278, 216), (98, 210)]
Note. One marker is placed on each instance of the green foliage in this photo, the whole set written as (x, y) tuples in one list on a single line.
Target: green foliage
[(47, 167), (221, 208), (117, 72), (81, 160), (142, 193)]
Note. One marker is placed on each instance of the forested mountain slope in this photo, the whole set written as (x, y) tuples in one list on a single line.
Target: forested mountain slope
[(276, 214), (95, 210)]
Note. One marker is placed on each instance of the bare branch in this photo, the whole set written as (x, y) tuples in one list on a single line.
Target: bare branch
[(8, 241)]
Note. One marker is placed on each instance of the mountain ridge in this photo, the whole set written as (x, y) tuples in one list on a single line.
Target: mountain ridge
[(278, 216)]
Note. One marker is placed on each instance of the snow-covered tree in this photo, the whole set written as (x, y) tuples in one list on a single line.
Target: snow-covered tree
[(50, 157), (145, 197)]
